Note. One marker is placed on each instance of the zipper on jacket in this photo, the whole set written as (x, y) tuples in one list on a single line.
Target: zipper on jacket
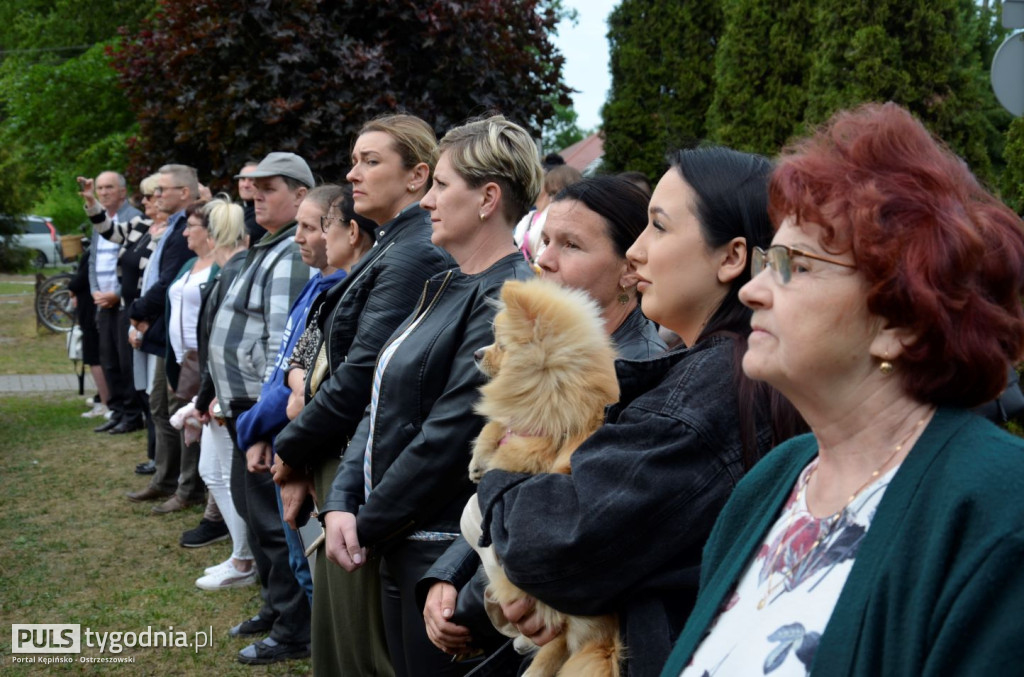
[(419, 314), (327, 334)]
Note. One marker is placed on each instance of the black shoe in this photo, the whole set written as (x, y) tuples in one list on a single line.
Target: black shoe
[(122, 428), (266, 651), (206, 533), (252, 626), (106, 427), (147, 468)]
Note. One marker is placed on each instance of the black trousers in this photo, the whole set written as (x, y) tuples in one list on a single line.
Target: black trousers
[(122, 399), (412, 653), (284, 601)]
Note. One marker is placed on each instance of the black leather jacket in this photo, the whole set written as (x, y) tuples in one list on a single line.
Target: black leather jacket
[(424, 424), (356, 317)]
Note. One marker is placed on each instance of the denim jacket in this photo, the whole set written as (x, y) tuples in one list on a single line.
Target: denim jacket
[(625, 531)]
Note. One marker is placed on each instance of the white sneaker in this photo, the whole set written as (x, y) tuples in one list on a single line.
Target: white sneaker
[(98, 409), (229, 577), (110, 412), (217, 567)]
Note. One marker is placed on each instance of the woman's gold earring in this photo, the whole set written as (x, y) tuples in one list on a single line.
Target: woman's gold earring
[(481, 216), (886, 367), (623, 295)]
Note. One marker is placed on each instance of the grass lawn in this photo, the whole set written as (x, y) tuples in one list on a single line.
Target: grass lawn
[(74, 550), (24, 347)]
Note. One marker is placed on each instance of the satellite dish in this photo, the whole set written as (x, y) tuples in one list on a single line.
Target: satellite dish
[(1008, 74)]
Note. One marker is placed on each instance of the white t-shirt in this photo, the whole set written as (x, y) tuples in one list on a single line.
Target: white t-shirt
[(773, 621), (183, 296)]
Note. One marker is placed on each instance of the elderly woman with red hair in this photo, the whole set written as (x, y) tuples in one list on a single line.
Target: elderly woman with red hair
[(889, 541)]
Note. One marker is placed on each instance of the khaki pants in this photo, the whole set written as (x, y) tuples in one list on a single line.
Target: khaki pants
[(348, 624)]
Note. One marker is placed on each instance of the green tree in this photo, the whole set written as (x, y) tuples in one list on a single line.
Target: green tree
[(61, 111), (761, 68), (1012, 180), (662, 65), (562, 130), (12, 202), (221, 81), (921, 54)]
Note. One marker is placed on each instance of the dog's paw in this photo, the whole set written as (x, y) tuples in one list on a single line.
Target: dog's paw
[(476, 471)]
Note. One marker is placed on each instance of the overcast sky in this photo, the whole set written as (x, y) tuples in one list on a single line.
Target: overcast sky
[(585, 47)]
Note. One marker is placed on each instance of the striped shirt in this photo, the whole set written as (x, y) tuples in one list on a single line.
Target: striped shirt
[(253, 316)]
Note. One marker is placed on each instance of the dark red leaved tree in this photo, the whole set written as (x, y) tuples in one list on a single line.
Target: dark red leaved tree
[(215, 82)]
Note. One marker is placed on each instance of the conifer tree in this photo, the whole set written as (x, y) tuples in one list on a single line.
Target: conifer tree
[(662, 65), (918, 53), (761, 70)]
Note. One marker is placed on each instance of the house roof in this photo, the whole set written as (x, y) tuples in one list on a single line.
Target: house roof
[(582, 154)]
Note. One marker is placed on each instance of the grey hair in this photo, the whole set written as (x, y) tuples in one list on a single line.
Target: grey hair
[(184, 175)]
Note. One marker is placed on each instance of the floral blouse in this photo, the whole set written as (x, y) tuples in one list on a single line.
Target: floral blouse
[(774, 619)]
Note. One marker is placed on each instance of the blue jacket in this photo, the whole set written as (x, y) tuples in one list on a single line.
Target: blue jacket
[(267, 418)]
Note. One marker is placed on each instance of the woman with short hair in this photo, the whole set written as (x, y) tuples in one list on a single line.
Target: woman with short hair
[(888, 541), (404, 479)]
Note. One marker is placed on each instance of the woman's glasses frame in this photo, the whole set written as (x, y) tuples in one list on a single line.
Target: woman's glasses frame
[(779, 257)]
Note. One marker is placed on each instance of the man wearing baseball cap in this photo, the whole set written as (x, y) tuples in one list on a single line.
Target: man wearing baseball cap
[(246, 333)]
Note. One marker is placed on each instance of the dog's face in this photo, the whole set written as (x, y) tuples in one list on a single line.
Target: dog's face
[(489, 358), (550, 359)]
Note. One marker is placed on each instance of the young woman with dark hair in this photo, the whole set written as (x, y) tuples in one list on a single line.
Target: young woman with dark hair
[(624, 532)]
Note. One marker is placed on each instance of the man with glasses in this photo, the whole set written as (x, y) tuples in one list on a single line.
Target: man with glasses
[(126, 416), (247, 330), (177, 465)]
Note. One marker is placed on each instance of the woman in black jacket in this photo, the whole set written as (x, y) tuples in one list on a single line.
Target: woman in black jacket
[(393, 159), (404, 481), (624, 532)]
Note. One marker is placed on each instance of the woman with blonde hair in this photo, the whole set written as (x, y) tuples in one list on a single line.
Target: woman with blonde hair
[(392, 163), (226, 230), (403, 482)]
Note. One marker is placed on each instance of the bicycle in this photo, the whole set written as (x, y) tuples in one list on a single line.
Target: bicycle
[(54, 303)]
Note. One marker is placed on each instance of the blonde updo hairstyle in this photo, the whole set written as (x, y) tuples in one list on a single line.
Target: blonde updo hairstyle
[(496, 149), (226, 222), (412, 138)]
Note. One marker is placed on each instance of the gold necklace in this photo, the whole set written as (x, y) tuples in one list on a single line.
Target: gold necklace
[(833, 518)]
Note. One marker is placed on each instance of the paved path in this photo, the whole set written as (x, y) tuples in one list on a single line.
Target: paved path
[(39, 383)]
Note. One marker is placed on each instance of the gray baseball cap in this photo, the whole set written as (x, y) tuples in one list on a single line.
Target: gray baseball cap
[(282, 164)]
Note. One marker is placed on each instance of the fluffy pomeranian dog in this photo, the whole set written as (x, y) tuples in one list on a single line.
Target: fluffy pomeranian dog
[(552, 372)]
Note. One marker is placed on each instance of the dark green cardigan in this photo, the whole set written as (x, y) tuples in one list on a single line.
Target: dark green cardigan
[(938, 584)]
